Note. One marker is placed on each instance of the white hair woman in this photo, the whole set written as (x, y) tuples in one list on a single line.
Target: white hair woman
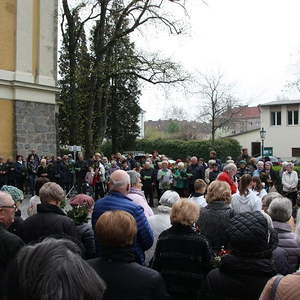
[(161, 221), (290, 183), (280, 210)]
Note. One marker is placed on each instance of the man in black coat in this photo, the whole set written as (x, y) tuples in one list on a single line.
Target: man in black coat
[(194, 171), (50, 220), (10, 244), (148, 180)]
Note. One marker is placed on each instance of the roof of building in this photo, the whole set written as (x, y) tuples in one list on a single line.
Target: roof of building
[(245, 112), (242, 133), (280, 102)]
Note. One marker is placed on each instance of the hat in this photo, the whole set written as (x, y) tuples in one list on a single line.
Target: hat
[(250, 235), (15, 193), (243, 162)]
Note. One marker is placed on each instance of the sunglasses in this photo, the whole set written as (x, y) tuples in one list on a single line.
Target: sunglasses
[(9, 206)]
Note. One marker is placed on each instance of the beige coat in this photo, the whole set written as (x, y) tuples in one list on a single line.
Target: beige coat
[(288, 288)]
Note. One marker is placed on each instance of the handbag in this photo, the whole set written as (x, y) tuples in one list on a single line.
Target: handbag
[(275, 286)]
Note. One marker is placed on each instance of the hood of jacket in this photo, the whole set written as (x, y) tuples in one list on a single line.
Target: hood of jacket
[(245, 199)]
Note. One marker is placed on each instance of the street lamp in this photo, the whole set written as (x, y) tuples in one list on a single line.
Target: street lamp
[(263, 134)]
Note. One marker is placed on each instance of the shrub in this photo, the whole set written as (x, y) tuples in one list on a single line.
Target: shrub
[(178, 149)]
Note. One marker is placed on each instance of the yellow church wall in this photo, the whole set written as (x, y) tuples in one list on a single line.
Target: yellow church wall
[(8, 35), (6, 128)]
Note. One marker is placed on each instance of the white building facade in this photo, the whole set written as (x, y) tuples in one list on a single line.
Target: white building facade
[(281, 121)]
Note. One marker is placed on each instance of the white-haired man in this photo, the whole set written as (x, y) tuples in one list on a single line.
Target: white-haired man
[(117, 199), (10, 244), (227, 175)]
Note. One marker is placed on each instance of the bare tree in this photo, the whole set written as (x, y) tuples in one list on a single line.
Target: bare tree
[(218, 104)]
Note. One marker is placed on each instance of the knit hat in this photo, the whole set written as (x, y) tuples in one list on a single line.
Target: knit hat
[(243, 162), (15, 193), (82, 200), (251, 236)]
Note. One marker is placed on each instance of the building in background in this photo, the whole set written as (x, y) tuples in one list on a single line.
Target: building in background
[(280, 119), (28, 58)]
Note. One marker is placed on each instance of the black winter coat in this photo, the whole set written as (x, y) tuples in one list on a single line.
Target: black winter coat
[(239, 278), (10, 244), (86, 235), (183, 257), (126, 279), (50, 220), (213, 221)]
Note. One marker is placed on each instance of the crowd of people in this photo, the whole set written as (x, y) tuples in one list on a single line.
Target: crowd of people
[(149, 228)]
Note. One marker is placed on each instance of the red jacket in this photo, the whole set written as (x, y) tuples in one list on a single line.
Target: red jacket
[(225, 177)]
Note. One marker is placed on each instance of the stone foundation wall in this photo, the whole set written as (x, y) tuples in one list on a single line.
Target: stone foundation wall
[(35, 128)]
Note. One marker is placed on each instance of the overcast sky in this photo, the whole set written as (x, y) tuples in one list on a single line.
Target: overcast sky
[(255, 43)]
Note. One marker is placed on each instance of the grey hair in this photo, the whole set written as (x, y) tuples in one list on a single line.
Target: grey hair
[(168, 198), (133, 177), (51, 191), (212, 162), (280, 209), (260, 163), (230, 167), (119, 183), (290, 164), (4, 196)]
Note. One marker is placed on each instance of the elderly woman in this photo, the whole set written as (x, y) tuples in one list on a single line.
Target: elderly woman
[(180, 179), (227, 175), (269, 177), (42, 170), (215, 217), (290, 183), (259, 168), (161, 220), (182, 256), (80, 213), (136, 194), (280, 210), (164, 177), (125, 279)]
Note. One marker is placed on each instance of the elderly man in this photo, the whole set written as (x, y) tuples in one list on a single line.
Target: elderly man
[(50, 218), (117, 199), (227, 175), (194, 171), (10, 244)]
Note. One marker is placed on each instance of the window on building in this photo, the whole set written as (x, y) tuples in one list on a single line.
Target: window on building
[(293, 117), (276, 118), (296, 152)]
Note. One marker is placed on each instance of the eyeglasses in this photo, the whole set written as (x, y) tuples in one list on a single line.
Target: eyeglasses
[(9, 206)]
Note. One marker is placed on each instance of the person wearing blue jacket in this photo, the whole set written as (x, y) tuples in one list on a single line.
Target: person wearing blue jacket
[(117, 199)]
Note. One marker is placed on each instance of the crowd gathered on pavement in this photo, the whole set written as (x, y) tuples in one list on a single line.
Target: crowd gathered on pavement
[(148, 227)]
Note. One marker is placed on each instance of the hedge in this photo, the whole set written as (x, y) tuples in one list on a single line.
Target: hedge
[(178, 149)]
